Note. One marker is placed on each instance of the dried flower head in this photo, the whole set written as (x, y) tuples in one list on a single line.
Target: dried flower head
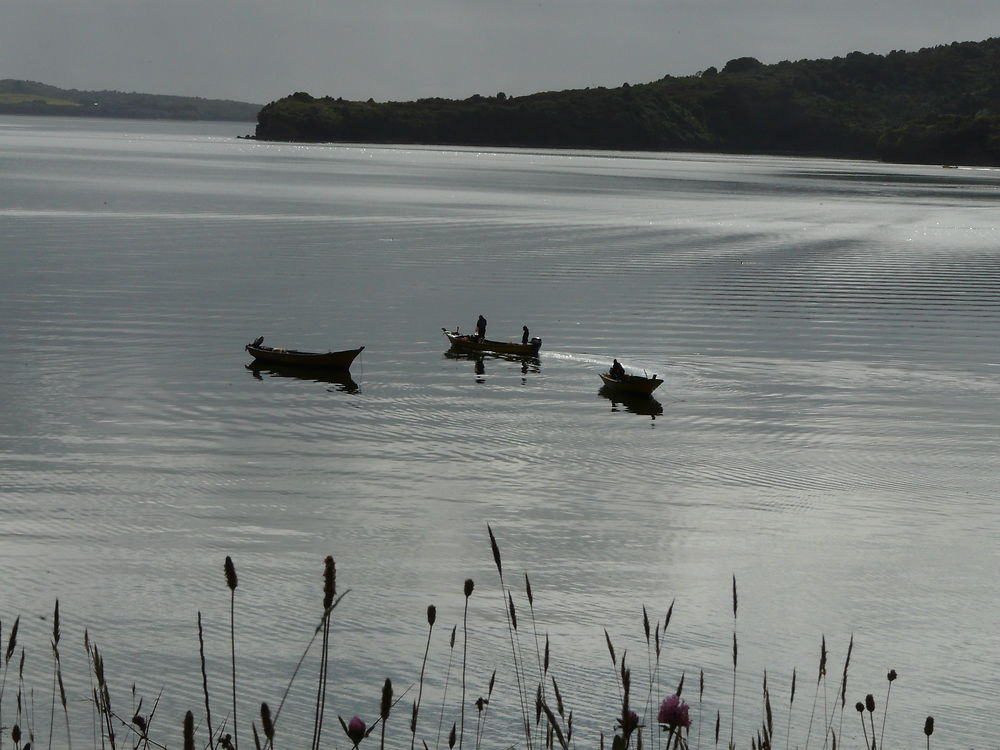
[(860, 707), (469, 585), (892, 675), (432, 614), (870, 703), (929, 726)]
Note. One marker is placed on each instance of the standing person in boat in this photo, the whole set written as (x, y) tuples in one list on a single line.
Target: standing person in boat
[(481, 328), (617, 371), (524, 335)]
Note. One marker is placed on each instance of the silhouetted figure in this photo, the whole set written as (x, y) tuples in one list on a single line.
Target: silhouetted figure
[(524, 334), (617, 371), (481, 328)]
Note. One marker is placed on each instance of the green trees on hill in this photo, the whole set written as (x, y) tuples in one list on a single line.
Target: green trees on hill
[(938, 105), (32, 98)]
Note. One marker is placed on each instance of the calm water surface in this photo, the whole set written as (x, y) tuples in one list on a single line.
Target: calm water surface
[(828, 429)]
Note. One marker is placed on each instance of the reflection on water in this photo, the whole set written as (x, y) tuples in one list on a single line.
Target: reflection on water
[(531, 364), (340, 379), (645, 405)]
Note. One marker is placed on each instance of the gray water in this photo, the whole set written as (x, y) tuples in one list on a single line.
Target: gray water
[(827, 432)]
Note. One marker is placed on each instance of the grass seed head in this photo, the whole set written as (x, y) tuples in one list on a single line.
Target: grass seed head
[(329, 582), (231, 580), (386, 700)]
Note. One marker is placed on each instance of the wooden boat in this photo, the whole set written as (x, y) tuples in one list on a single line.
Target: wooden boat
[(473, 344), (636, 385), (323, 360)]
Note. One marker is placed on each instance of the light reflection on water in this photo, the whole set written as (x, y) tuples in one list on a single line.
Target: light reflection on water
[(827, 430)]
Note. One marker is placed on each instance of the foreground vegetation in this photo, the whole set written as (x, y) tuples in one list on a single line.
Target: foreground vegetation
[(32, 98), (646, 715), (938, 106)]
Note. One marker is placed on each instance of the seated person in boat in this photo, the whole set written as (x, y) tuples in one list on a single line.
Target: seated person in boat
[(617, 371), (481, 328)]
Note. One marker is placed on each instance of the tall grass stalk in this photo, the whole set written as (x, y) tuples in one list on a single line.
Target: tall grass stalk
[(431, 618), (232, 582), (385, 707), (469, 586), (512, 632), (483, 704), (819, 678), (732, 726), (204, 683), (189, 731), (57, 682), (11, 645), (329, 592), (843, 689), (791, 702), (444, 692), (891, 677)]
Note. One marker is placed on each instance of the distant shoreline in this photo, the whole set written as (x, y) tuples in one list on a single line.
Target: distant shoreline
[(19, 97)]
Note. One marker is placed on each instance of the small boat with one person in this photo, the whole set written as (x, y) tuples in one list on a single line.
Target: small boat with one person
[(325, 360), (637, 385)]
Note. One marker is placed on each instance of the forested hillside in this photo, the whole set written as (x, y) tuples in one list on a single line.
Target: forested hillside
[(32, 98), (937, 105)]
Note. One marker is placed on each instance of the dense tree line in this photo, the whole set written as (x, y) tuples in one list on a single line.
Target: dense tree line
[(937, 105), (32, 98)]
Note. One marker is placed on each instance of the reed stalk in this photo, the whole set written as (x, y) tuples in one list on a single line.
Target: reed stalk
[(385, 707), (444, 692), (891, 677), (189, 731), (791, 702), (11, 645), (329, 592), (843, 689), (511, 616), (732, 727), (483, 704), (469, 586), (870, 705), (232, 582), (204, 683), (431, 618), (819, 679)]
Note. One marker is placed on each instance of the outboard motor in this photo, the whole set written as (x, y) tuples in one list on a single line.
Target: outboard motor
[(535, 341)]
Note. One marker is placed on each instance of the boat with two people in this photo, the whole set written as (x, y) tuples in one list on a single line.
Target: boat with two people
[(472, 343), (318, 360)]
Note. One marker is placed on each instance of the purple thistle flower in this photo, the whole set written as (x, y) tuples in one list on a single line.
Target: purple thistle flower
[(674, 713), (356, 730)]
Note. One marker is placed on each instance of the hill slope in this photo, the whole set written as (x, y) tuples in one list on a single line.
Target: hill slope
[(938, 105), (32, 98)]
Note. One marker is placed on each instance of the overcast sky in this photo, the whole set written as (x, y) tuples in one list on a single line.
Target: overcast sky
[(261, 50)]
